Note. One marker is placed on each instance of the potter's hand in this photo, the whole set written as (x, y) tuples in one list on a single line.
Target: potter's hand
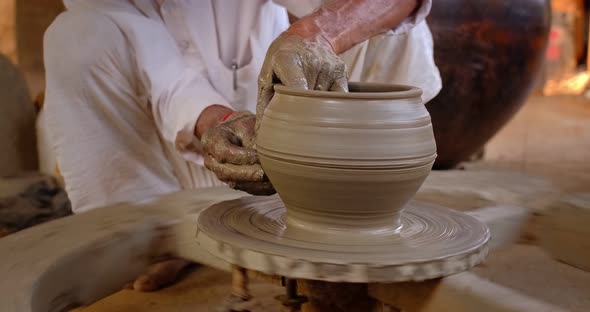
[(305, 56), (230, 154), (300, 62)]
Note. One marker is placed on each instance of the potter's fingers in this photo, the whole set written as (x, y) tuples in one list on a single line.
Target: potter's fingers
[(212, 164), (254, 188), (265, 93), (235, 173), (289, 71), (232, 173), (221, 143), (340, 85), (325, 78), (244, 129), (265, 87), (265, 82)]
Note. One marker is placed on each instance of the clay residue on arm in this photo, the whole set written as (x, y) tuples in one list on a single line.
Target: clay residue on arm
[(344, 23)]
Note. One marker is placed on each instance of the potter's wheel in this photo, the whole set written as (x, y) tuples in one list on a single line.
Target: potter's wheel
[(251, 232)]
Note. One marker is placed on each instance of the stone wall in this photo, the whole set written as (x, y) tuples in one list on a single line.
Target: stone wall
[(22, 26), (32, 19), (18, 150)]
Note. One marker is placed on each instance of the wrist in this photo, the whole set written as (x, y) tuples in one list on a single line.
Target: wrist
[(210, 117), (309, 28), (328, 25), (226, 116), (344, 23)]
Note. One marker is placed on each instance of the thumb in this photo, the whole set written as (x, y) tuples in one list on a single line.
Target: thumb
[(265, 94), (289, 71), (340, 85)]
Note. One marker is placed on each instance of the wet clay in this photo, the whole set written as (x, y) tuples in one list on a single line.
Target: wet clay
[(299, 63), (432, 241), (347, 161), (345, 166)]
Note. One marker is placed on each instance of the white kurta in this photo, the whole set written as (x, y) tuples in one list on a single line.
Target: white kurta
[(127, 80)]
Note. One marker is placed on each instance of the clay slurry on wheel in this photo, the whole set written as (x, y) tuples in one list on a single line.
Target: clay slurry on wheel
[(432, 242), (347, 160), (346, 167)]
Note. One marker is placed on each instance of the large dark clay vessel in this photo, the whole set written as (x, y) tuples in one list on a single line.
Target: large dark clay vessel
[(489, 53)]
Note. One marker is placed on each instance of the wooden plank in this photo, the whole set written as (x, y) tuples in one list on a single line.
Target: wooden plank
[(461, 292), (528, 270), (564, 231)]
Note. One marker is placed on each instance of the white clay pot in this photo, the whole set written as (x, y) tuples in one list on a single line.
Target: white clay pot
[(347, 161)]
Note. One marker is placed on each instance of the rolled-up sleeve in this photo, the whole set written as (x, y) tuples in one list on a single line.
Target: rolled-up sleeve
[(403, 55), (300, 8), (417, 17)]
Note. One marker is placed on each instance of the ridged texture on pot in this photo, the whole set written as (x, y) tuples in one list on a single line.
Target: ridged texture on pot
[(347, 160), (433, 241)]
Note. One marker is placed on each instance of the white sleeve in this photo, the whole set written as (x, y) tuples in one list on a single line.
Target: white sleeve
[(403, 55), (116, 87), (100, 124), (177, 92), (301, 8), (415, 19), (404, 58)]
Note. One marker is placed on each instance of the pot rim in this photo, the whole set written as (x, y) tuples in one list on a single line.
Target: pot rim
[(367, 90)]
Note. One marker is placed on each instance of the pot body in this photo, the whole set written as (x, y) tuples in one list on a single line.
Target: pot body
[(489, 54), (346, 160)]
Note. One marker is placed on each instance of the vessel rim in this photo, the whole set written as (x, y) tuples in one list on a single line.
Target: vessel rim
[(393, 91)]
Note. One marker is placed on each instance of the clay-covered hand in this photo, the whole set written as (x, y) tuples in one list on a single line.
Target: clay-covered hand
[(299, 62), (305, 55), (231, 154)]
